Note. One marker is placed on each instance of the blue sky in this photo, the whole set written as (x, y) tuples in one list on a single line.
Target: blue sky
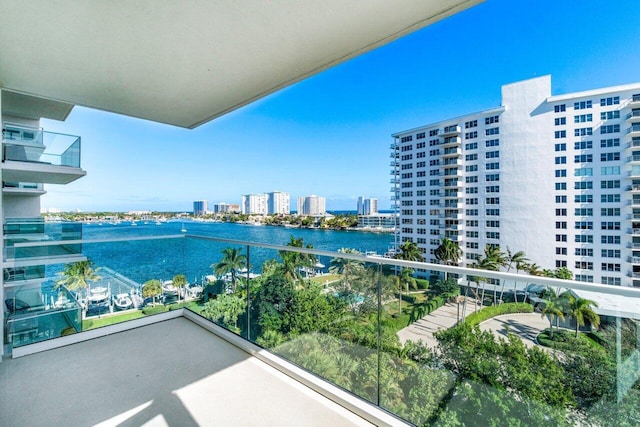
[(330, 134)]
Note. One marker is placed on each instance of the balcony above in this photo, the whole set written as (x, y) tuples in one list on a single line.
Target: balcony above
[(26, 189), (451, 130), (635, 100), (634, 130), (33, 155), (633, 116)]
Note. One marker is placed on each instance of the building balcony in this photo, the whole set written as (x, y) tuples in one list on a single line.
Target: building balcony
[(634, 130), (394, 155), (634, 274), (451, 130), (634, 188), (633, 116), (634, 231), (634, 259), (635, 100), (32, 239), (32, 155), (27, 189), (452, 152), (394, 147), (136, 371), (451, 141), (394, 164), (394, 181), (634, 159)]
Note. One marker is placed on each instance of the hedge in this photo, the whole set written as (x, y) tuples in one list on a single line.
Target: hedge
[(497, 310), (154, 310), (411, 299), (422, 284)]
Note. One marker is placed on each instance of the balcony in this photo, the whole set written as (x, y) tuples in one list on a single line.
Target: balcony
[(633, 116), (394, 155), (23, 189), (635, 100), (634, 130), (634, 259), (452, 152), (394, 147), (634, 188), (29, 239), (451, 141), (176, 366), (32, 155), (451, 130), (394, 164)]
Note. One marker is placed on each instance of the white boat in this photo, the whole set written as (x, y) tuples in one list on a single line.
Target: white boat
[(168, 288), (123, 302), (98, 295), (134, 223), (184, 230), (158, 223), (195, 291)]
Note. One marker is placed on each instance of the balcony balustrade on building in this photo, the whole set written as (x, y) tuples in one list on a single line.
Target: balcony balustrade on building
[(335, 315)]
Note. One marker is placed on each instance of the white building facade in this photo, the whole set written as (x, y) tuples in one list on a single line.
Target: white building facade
[(254, 204), (278, 203), (557, 177), (312, 205)]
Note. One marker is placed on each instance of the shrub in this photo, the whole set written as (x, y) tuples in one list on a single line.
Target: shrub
[(148, 311), (422, 284), (497, 310), (411, 299), (435, 303)]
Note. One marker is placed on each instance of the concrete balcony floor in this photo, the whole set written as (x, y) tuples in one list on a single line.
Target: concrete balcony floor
[(169, 373)]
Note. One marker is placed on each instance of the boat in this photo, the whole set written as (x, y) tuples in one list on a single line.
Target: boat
[(168, 288), (98, 295), (195, 291), (158, 223), (134, 223), (184, 230), (123, 302)]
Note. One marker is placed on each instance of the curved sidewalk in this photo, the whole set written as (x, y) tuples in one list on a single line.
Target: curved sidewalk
[(526, 326)]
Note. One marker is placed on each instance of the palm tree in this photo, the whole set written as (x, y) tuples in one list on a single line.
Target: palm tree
[(232, 261), (179, 280), (493, 259), (533, 269), (554, 308), (151, 289), (77, 275), (409, 251), (519, 259), (347, 267), (448, 252), (293, 261), (581, 309)]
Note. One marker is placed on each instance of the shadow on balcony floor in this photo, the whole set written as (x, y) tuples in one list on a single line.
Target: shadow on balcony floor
[(169, 373)]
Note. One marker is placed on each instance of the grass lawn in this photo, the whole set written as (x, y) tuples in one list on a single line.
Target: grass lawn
[(566, 340), (107, 320), (321, 280)]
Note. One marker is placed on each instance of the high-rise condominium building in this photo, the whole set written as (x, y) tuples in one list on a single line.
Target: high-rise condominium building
[(311, 205), (278, 203), (200, 207), (555, 176), (367, 206), (254, 204)]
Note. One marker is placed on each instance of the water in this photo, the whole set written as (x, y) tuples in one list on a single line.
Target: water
[(161, 259)]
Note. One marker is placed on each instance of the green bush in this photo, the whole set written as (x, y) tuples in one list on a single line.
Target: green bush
[(422, 284), (435, 303), (497, 310), (148, 311), (411, 299)]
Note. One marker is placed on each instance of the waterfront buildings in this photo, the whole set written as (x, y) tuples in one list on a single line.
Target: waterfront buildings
[(378, 221), (253, 204), (312, 205), (225, 208), (555, 176), (200, 207), (367, 206), (278, 203)]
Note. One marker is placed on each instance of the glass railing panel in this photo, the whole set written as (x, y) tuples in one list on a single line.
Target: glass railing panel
[(110, 282), (37, 146), (320, 313), (23, 186), (32, 238)]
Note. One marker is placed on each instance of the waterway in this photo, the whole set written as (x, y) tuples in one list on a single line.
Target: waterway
[(141, 260)]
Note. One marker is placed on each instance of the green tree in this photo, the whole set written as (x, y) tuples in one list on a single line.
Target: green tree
[(554, 308), (581, 310), (232, 261), (225, 309), (292, 261), (517, 260), (179, 281), (348, 268), (77, 275), (448, 252), (409, 251), (151, 289)]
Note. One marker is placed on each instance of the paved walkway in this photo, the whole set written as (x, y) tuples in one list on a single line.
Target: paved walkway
[(527, 326), (443, 318)]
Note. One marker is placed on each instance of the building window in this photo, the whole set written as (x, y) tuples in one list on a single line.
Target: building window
[(492, 177), (610, 253), (560, 134), (582, 105), (559, 121), (584, 225), (433, 132), (583, 185), (609, 157), (583, 172), (561, 173), (561, 212), (492, 143), (493, 189), (492, 154), (613, 100), (561, 108), (609, 129), (609, 211), (471, 168), (492, 166), (471, 157), (583, 198), (471, 146), (561, 147), (584, 212), (492, 212), (406, 138), (610, 240), (561, 225), (561, 186), (583, 132), (584, 252), (610, 184), (492, 131), (611, 142), (584, 278), (420, 135), (584, 265), (609, 115), (584, 238), (610, 225), (471, 124), (610, 198), (561, 199), (561, 251), (610, 266), (491, 120), (492, 200), (560, 160), (493, 235), (583, 118), (471, 135), (583, 145), (583, 158), (561, 237), (493, 224), (614, 281), (561, 263)]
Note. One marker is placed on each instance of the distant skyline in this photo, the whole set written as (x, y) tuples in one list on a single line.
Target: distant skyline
[(330, 134)]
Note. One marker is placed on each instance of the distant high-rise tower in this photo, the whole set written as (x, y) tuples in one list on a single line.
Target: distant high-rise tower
[(278, 203), (367, 206), (200, 207), (254, 204), (311, 205)]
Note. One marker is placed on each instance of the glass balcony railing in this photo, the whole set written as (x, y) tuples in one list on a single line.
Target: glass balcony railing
[(24, 186), (24, 238), (462, 347), (37, 146)]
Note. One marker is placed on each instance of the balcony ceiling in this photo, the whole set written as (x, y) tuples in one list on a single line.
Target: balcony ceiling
[(185, 63)]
